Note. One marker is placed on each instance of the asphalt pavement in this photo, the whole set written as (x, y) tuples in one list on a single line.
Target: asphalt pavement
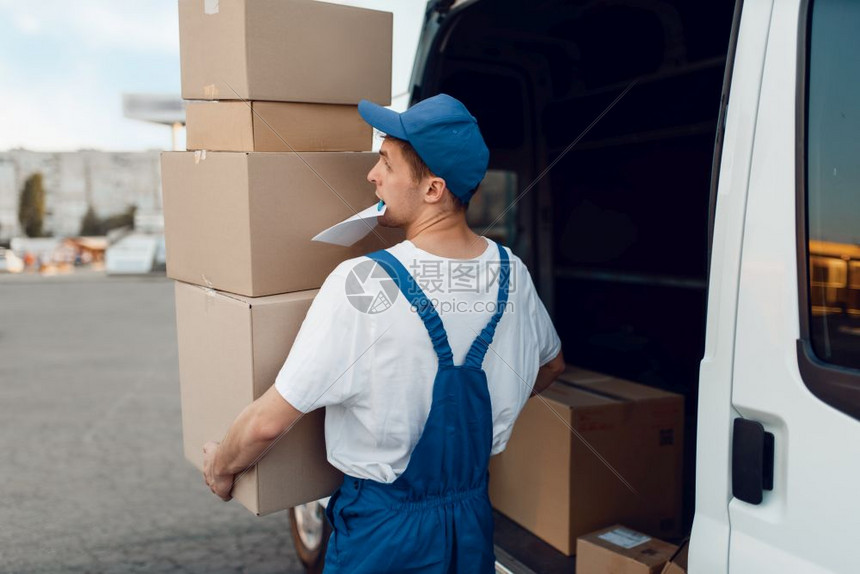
[(92, 476)]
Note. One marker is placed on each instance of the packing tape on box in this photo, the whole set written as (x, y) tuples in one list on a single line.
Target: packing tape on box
[(208, 290), (210, 6), (211, 293), (199, 155), (210, 92)]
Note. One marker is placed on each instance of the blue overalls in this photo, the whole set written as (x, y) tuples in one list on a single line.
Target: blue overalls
[(436, 516)]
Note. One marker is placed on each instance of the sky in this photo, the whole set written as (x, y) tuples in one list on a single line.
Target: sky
[(65, 65)]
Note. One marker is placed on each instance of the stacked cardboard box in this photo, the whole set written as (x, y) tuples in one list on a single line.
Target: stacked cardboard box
[(678, 562), (277, 155), (620, 550), (592, 450)]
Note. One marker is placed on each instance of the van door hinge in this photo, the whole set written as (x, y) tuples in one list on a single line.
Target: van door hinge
[(442, 6), (752, 461)]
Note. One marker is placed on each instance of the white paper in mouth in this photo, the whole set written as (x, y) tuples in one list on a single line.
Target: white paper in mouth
[(349, 231)]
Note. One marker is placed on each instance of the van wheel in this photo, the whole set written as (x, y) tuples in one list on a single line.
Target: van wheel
[(311, 531)]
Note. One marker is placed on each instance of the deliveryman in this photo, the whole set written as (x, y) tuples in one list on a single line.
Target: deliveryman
[(423, 355)]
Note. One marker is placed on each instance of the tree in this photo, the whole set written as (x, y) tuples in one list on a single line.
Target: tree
[(91, 224), (31, 206), (124, 219)]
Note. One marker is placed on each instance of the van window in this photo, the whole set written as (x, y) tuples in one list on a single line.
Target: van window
[(833, 182)]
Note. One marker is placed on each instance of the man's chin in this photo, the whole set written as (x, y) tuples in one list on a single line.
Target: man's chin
[(386, 222)]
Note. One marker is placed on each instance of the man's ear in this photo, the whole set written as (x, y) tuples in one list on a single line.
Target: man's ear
[(435, 189)]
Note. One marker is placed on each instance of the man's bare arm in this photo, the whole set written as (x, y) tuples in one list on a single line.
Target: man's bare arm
[(256, 427), (548, 373)]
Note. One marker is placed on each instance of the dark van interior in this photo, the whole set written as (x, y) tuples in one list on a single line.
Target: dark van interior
[(602, 118)]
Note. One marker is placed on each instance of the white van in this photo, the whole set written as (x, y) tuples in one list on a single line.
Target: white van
[(683, 179)]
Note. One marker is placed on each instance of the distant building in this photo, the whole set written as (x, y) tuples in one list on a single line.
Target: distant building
[(108, 181)]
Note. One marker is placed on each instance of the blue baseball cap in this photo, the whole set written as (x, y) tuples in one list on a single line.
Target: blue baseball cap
[(443, 133)]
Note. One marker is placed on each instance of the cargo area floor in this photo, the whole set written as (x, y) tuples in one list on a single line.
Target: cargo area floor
[(521, 552)]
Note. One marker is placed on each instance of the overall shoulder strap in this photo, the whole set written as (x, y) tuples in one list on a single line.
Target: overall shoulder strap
[(475, 357), (419, 301)]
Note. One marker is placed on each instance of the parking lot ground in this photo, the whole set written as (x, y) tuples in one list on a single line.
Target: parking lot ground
[(93, 478)]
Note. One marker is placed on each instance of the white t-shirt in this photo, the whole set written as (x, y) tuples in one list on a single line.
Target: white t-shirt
[(372, 365)]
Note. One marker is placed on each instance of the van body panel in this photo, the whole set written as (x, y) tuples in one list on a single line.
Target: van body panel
[(806, 523), (752, 554), (709, 544)]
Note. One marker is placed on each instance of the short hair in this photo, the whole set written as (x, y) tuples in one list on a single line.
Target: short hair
[(459, 203), (420, 170)]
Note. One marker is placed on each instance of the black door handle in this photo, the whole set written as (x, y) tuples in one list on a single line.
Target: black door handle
[(752, 461)]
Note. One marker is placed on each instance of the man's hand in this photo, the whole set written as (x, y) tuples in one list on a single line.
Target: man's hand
[(220, 484), (548, 373), (254, 430)]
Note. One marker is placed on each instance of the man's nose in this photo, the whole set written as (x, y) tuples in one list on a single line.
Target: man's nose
[(370, 175)]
